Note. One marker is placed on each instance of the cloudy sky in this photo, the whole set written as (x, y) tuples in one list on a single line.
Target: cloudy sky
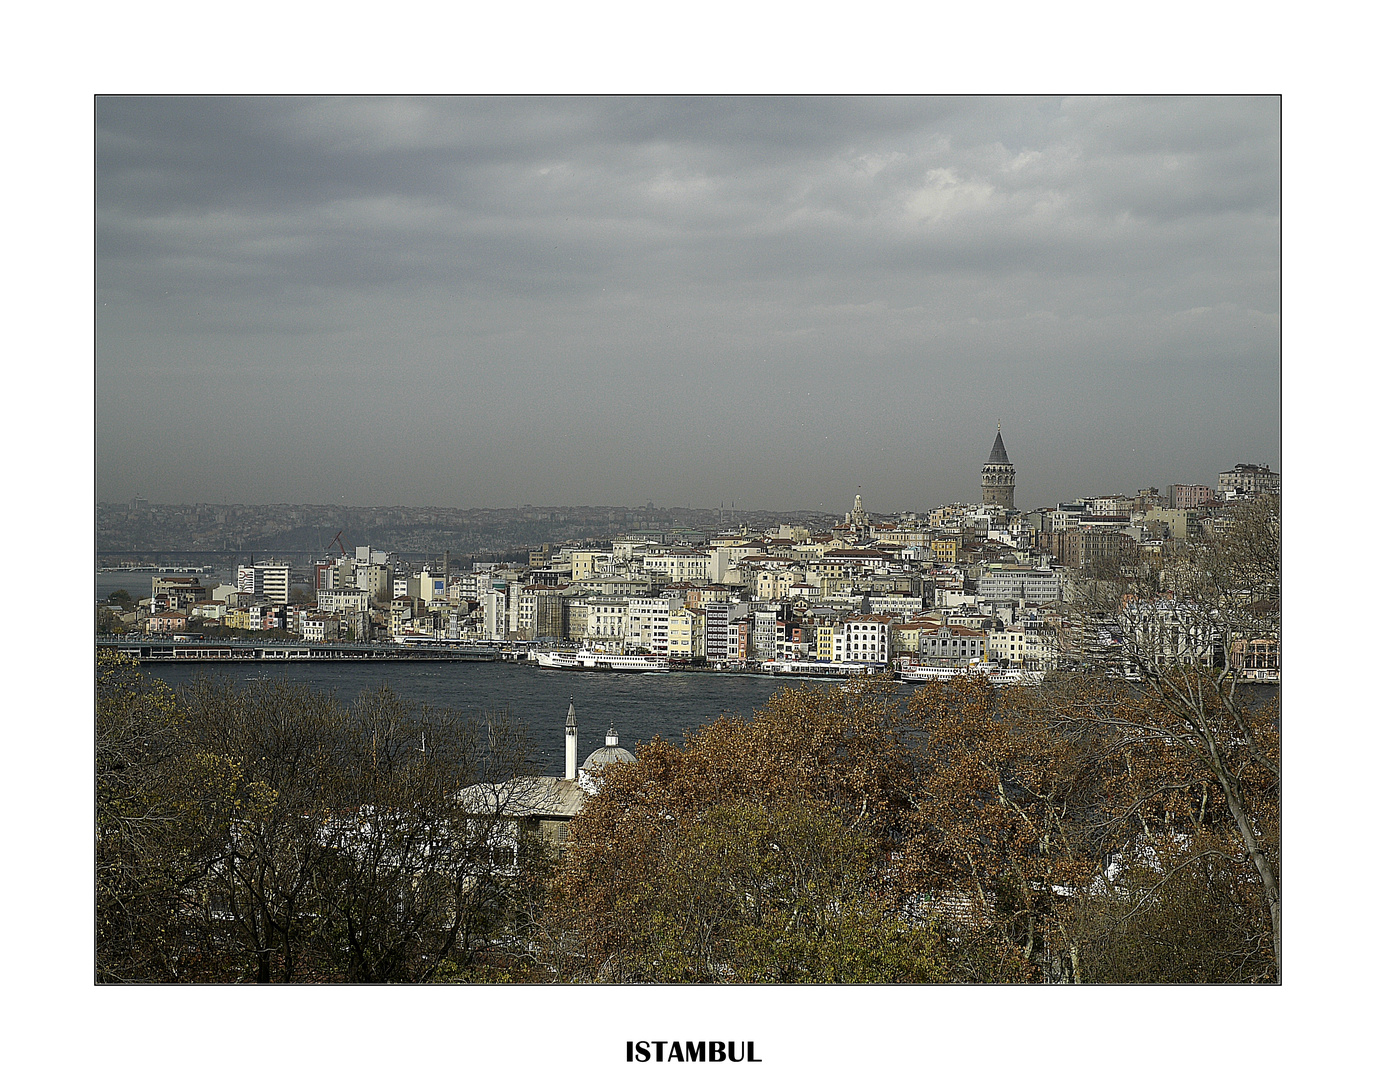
[(765, 301)]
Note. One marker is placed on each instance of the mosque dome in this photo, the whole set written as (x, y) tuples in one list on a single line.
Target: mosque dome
[(609, 754)]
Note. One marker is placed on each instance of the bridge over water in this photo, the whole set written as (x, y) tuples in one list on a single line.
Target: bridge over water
[(164, 650)]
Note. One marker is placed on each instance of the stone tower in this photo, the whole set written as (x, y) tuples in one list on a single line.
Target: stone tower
[(996, 478)]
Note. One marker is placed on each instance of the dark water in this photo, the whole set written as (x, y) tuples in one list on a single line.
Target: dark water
[(639, 706), (141, 584)]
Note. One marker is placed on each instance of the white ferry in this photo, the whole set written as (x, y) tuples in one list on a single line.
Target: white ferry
[(588, 660), (816, 669), (996, 675)]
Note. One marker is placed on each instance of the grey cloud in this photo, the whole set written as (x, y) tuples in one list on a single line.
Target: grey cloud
[(652, 280)]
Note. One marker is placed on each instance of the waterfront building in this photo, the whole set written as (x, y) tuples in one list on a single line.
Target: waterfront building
[(1010, 646), (949, 646), (687, 634), (647, 623), (540, 614), (721, 616), (607, 620), (866, 639)]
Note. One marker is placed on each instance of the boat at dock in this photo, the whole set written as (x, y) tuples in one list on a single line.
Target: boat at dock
[(810, 669), (921, 673), (591, 660)]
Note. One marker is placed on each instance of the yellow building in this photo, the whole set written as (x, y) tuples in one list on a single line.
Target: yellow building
[(687, 634), (237, 618), (826, 644), (906, 637), (944, 548)]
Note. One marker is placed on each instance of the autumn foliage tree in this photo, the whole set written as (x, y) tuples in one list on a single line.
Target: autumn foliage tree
[(1058, 845), (757, 852)]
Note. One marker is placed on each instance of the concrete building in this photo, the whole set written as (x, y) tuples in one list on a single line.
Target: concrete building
[(540, 614), (338, 600), (1024, 583), (607, 620), (269, 580), (1245, 481), (719, 643), (866, 639), (952, 646), (1010, 646), (687, 634), (647, 623), (1190, 496)]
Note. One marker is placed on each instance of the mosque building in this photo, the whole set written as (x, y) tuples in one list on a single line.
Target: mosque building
[(543, 806)]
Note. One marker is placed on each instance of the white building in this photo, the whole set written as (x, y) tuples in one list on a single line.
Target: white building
[(607, 620), (495, 615), (271, 581), (1010, 645), (647, 623), (1248, 480), (1022, 583), (679, 565), (864, 639), (340, 600)]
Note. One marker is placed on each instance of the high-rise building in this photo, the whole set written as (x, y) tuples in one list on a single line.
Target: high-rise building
[(271, 580), (997, 476)]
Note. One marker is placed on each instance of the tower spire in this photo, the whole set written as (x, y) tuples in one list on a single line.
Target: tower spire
[(997, 477)]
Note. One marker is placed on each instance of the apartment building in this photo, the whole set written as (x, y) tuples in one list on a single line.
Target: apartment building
[(647, 623), (951, 646), (866, 639), (687, 634), (607, 620)]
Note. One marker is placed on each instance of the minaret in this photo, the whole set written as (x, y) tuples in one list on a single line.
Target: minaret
[(571, 745), (997, 476)]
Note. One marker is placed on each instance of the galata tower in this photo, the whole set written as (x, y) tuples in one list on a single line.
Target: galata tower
[(996, 478)]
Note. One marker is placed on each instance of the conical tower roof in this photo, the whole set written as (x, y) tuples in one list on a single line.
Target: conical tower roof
[(998, 455)]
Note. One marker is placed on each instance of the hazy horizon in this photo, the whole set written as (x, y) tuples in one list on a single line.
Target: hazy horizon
[(496, 302)]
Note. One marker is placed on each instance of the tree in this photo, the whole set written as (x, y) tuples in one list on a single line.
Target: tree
[(757, 852), (273, 834), (145, 857), (261, 765), (1057, 846), (1004, 828), (346, 849), (1181, 632)]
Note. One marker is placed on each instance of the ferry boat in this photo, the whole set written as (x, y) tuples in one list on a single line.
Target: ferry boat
[(815, 669), (588, 660), (996, 675)]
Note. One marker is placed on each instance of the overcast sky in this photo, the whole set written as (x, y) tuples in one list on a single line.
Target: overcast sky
[(765, 301)]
